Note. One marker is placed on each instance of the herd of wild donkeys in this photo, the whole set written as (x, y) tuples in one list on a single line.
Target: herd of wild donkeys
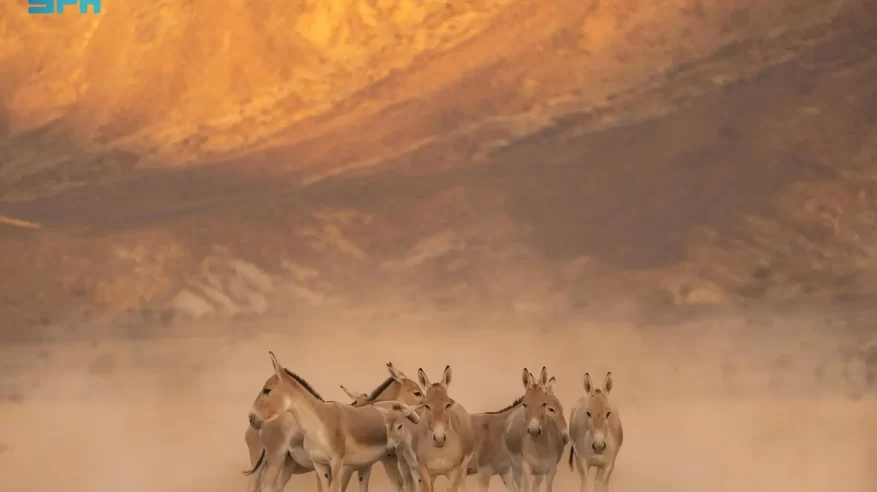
[(419, 432)]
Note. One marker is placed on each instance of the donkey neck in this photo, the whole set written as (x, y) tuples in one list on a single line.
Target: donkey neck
[(303, 404), (387, 391)]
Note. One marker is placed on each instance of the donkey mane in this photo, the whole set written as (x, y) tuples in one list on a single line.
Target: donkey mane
[(511, 406), (380, 389), (304, 384)]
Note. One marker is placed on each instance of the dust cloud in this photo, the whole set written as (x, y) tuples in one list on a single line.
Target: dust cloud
[(704, 408)]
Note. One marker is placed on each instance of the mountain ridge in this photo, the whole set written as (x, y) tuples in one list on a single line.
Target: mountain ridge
[(675, 154)]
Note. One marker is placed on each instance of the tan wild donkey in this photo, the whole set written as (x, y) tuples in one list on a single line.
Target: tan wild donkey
[(536, 433), (595, 428), (335, 435), (444, 442), (491, 455), (283, 439), (399, 420), (277, 449)]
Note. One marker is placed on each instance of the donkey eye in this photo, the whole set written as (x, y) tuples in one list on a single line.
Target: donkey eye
[(418, 394), (449, 405), (266, 391), (589, 414), (524, 405), (428, 407), (545, 404), (608, 414), (399, 427), (551, 410)]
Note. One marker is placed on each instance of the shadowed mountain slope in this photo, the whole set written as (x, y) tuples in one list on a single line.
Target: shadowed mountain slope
[(498, 155)]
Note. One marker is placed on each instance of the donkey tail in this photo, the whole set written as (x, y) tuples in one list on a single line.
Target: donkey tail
[(259, 463)]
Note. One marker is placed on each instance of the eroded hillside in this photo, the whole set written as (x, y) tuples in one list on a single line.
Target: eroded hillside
[(521, 156)]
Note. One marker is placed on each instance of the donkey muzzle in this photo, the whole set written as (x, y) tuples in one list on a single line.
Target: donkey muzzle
[(255, 421)]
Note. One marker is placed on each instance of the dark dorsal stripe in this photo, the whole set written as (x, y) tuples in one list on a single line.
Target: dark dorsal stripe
[(511, 406), (304, 384), (380, 389)]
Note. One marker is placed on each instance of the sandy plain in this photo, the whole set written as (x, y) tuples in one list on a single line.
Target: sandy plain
[(169, 415)]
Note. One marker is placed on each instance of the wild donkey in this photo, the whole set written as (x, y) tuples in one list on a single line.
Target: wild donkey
[(275, 447), (444, 442), (596, 431), (401, 423), (356, 437), (536, 434), (491, 456)]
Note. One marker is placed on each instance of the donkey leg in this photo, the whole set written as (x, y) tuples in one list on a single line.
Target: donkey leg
[(336, 472), (320, 487), (346, 474), (364, 474), (509, 479), (289, 468), (393, 467), (426, 481), (272, 471), (607, 472), (484, 474), (457, 479), (409, 478), (549, 479), (526, 477), (324, 478), (537, 482), (582, 469), (257, 479)]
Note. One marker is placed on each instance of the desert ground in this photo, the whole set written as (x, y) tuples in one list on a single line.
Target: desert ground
[(170, 415)]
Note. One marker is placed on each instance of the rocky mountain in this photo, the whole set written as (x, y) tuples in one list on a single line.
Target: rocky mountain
[(193, 159)]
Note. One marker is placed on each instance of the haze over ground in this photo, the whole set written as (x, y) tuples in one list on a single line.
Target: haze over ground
[(681, 192)]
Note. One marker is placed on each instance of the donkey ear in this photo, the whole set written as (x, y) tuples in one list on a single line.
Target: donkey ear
[(396, 373), (278, 369), (543, 376), (532, 379), (411, 414), (423, 379), (549, 386), (589, 387), (607, 383), (446, 377), (356, 397), (525, 378)]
